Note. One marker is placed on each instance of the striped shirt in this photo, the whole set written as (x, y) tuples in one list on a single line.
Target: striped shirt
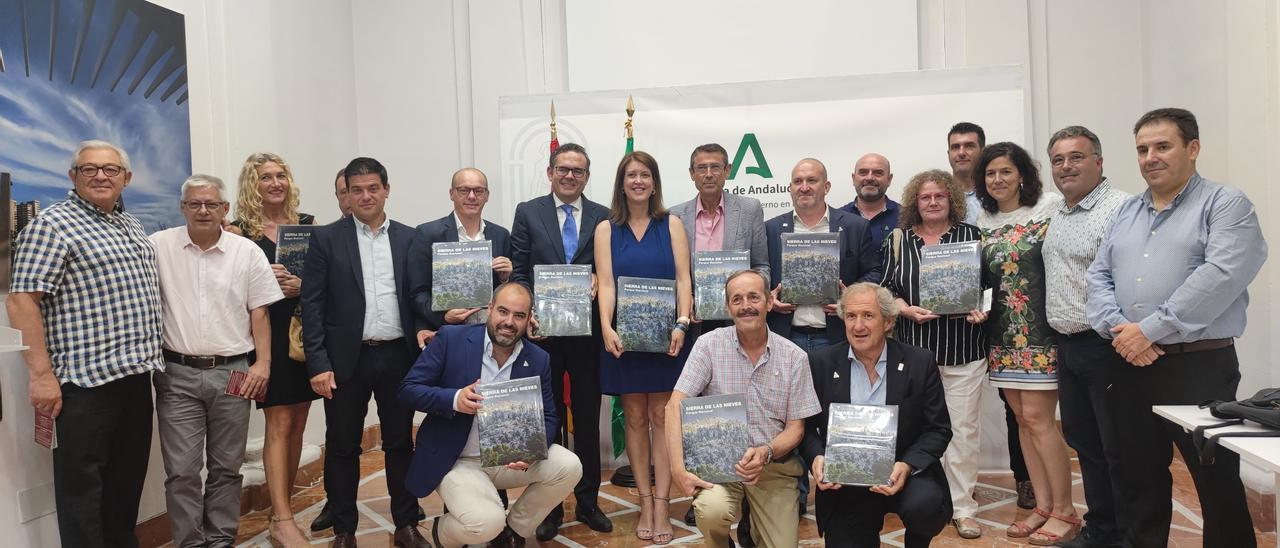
[(101, 304), (1069, 249), (953, 340), (779, 388)]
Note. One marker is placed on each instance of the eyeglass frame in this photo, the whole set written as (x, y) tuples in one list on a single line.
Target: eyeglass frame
[(1070, 159), (80, 170), (207, 206)]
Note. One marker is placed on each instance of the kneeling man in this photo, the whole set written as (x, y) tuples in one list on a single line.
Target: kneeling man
[(869, 369), (442, 384)]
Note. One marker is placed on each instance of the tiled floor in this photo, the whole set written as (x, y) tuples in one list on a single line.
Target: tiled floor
[(995, 495)]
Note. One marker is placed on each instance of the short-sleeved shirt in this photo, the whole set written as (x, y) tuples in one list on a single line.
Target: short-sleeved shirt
[(207, 293), (101, 304), (779, 388)]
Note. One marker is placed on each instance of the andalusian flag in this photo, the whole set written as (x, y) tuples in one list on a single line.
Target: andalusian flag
[(618, 423)]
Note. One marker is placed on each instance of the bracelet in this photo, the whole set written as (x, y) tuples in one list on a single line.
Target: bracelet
[(682, 327)]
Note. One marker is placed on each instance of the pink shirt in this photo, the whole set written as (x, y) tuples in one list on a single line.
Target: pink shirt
[(708, 231), (207, 294)]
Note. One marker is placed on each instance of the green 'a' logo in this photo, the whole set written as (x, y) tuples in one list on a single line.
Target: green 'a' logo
[(749, 142)]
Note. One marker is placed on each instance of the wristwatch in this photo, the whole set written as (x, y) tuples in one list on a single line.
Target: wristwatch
[(769, 453)]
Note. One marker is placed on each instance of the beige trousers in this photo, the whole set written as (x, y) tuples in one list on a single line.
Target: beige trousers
[(963, 385), (475, 511), (774, 501)]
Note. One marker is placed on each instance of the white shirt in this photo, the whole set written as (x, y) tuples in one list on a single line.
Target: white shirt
[(577, 213), (490, 371), (381, 306), (207, 294), (810, 315)]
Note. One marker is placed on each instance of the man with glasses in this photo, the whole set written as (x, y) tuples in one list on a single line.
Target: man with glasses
[(721, 221), (558, 229), (215, 287), (86, 295), (469, 191)]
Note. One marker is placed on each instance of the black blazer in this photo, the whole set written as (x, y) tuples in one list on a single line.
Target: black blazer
[(333, 297), (859, 260), (442, 230), (535, 236), (924, 426)]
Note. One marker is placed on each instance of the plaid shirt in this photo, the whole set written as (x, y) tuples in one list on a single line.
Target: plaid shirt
[(779, 388), (101, 305)]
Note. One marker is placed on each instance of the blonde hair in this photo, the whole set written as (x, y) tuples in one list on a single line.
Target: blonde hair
[(249, 199)]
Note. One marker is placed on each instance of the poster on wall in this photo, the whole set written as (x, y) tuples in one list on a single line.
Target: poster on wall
[(766, 127), (74, 70)]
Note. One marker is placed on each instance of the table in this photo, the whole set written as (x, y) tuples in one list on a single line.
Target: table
[(1261, 452)]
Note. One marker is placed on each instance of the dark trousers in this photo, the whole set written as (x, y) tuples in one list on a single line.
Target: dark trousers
[(807, 342), (580, 357), (1016, 463), (855, 515), (1085, 376), (104, 441), (1145, 451), (378, 372)]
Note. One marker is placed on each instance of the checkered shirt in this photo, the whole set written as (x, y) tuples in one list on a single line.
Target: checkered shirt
[(778, 389), (101, 305)]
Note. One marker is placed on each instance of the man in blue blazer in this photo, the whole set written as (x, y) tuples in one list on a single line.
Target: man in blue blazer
[(814, 326), (469, 190), (559, 228), (358, 336), (867, 368), (442, 384)]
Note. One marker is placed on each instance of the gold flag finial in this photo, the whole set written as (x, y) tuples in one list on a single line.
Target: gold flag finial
[(553, 120), (631, 110)]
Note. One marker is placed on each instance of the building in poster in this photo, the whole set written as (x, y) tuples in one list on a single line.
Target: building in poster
[(861, 440), (811, 268), (510, 422), (951, 277), (711, 269), (562, 299), (713, 432), (292, 242), (646, 313), (461, 275)]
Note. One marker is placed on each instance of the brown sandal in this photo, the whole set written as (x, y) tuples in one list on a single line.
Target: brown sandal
[(1045, 538), (1023, 529)]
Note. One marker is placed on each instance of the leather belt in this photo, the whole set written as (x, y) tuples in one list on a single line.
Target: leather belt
[(806, 330), (202, 362), (1197, 346), (379, 342)]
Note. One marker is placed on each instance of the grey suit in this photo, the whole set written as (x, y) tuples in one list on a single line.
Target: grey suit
[(743, 227)]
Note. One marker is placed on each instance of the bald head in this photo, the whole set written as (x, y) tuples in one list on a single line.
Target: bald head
[(810, 164), (809, 187), (871, 178)]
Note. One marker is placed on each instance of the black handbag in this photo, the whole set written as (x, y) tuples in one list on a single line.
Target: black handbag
[(1263, 408)]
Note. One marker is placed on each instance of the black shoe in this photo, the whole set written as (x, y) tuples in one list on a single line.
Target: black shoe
[(744, 532), (595, 519), (409, 536), (551, 524), (1089, 538), (324, 519), (804, 509), (1026, 495), (690, 518), (344, 540)]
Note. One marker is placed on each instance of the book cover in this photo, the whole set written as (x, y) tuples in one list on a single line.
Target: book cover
[(562, 299), (711, 269), (861, 440), (811, 268), (461, 274), (714, 432), (951, 277), (646, 313), (46, 430), (510, 422), (291, 246), (236, 387)]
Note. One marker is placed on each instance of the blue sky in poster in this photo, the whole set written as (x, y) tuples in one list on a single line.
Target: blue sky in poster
[(42, 119)]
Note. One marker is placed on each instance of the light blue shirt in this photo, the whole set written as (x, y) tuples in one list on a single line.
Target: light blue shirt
[(861, 390), (381, 306), (490, 371), (972, 206), (1181, 273)]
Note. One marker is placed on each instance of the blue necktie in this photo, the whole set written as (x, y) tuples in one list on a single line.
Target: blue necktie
[(569, 234)]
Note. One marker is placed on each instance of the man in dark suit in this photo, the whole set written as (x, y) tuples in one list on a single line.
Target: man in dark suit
[(558, 229), (356, 346), (814, 326), (443, 385), (869, 369), (469, 190)]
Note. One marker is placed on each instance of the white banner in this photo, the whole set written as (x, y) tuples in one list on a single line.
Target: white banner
[(766, 127)]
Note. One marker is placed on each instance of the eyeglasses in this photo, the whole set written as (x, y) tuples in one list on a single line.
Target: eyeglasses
[(479, 192), (90, 170), (197, 206), (565, 171), (936, 197), (1072, 159), (705, 168)]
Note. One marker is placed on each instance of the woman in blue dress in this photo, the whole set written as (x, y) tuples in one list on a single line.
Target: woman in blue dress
[(641, 240)]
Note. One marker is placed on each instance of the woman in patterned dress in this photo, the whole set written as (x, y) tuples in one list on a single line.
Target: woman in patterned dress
[(1022, 357)]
